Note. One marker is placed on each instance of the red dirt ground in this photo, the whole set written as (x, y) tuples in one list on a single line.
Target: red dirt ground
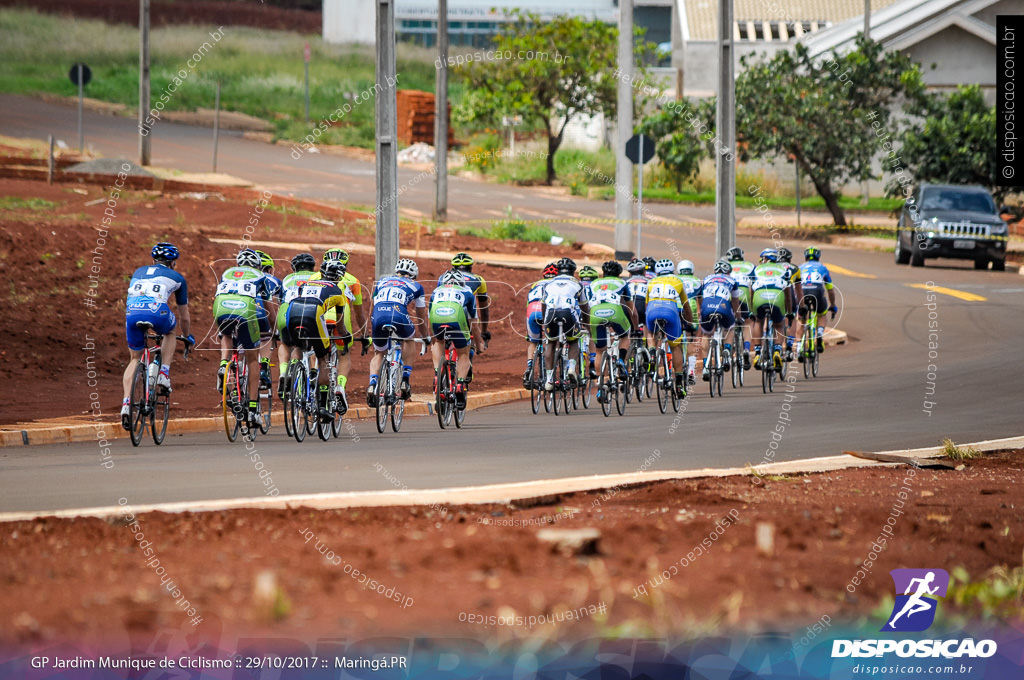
[(86, 581), (46, 259)]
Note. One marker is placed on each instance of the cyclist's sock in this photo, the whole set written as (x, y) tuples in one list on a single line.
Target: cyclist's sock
[(265, 361), (253, 405), (373, 379), (692, 362), (165, 370), (126, 401), (746, 345), (343, 381), (406, 371), (726, 346), (224, 362)]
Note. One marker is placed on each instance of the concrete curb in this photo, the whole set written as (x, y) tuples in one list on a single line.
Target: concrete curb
[(502, 493)]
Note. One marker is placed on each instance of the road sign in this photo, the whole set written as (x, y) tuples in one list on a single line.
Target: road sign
[(633, 147), (86, 74), (305, 52)]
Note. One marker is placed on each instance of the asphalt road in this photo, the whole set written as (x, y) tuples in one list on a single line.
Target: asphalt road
[(870, 396)]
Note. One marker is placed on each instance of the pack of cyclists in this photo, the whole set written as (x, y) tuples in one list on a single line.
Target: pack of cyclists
[(310, 309)]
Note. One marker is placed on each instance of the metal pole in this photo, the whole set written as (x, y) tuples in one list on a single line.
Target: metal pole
[(798, 194), (81, 87), (441, 119), (49, 163), (640, 197), (725, 124), (867, 18), (144, 145), (307, 85), (216, 124), (387, 132), (624, 130)]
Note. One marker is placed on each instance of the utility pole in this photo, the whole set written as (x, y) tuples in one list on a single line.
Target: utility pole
[(143, 82), (387, 133), (624, 130), (441, 117), (867, 18), (725, 124)]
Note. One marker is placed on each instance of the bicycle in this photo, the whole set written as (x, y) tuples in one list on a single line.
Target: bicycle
[(737, 354), (147, 398), (767, 358), (235, 400), (638, 363), (614, 380), (535, 380), (445, 401), (809, 345), (715, 356), (560, 376), (585, 385), (389, 400), (664, 379)]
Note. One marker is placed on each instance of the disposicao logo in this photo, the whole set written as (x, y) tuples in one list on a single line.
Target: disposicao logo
[(914, 610)]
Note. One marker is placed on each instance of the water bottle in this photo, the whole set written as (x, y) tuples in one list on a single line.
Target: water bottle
[(153, 370)]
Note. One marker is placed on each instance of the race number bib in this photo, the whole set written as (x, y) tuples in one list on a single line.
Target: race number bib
[(246, 288)]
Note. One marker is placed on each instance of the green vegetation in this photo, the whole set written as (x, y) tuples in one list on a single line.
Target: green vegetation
[(19, 203), (514, 229), (261, 71), (954, 452)]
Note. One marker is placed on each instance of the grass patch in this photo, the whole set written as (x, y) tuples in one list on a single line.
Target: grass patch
[(514, 229), (814, 203), (954, 452), (19, 203)]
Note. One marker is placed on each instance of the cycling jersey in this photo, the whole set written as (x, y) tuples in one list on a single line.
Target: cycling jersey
[(452, 309), (535, 309), (741, 274), (289, 289), (150, 289), (816, 280), (562, 297), (638, 291), (606, 296), (665, 297), (717, 292), (307, 310), (474, 282), (351, 283), (392, 296), (238, 304), (690, 284), (768, 292)]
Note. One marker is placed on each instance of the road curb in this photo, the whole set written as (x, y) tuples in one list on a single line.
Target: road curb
[(504, 493)]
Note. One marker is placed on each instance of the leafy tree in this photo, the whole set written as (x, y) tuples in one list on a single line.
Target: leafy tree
[(680, 149), (572, 74), (830, 115), (953, 141)]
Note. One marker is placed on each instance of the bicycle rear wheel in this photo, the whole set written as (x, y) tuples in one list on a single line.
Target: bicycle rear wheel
[(621, 388), (805, 351), (660, 381), (586, 388), (536, 380), (384, 390), (559, 379), (287, 399), (325, 425), (266, 400), (816, 357), (137, 405), (735, 358), (605, 385), (458, 413), (159, 414), (297, 412), (441, 404), (229, 402)]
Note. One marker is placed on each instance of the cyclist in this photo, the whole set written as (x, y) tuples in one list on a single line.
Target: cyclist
[(795, 293), (236, 311), (719, 297), (666, 306), (303, 265), (275, 292), (350, 312), (649, 263), (770, 298), (741, 270), (637, 281), (535, 317), (452, 312), (148, 293), (684, 271), (306, 324), (611, 311), (563, 305), (587, 275), (816, 283), (392, 296), (464, 263)]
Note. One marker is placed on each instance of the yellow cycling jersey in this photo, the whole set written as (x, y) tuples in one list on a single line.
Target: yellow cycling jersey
[(352, 284), (666, 288)]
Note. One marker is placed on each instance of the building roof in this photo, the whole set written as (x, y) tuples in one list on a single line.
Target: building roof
[(754, 18)]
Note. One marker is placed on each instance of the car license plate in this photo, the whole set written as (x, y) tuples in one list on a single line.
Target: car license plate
[(963, 244)]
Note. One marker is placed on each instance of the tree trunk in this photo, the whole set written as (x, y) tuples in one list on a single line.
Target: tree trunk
[(824, 190), (554, 141)]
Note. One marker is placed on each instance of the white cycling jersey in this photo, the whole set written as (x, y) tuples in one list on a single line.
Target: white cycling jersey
[(563, 292)]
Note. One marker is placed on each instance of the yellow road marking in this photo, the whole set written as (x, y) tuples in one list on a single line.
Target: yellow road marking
[(846, 272), (963, 295)]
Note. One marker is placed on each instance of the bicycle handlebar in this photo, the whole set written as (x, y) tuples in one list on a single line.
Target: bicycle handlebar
[(188, 346)]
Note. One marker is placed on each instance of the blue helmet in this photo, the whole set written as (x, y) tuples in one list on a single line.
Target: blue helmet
[(770, 254), (167, 252)]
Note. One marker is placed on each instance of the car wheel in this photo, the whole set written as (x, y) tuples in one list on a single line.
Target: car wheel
[(981, 263), (916, 258), (901, 254), (999, 265)]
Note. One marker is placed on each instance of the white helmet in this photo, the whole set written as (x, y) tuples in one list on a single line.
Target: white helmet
[(407, 266), (662, 267), (248, 258), (452, 277), (685, 267)]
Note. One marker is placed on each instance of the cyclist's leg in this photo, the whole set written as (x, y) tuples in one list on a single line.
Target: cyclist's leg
[(599, 342)]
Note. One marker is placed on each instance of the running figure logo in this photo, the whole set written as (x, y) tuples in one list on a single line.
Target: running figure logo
[(914, 610)]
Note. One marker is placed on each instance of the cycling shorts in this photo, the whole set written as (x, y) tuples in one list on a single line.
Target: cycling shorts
[(665, 315), (306, 328), (459, 335), (600, 332), (814, 299), (533, 326), (774, 311), (716, 311), (570, 324), (162, 318), (386, 315)]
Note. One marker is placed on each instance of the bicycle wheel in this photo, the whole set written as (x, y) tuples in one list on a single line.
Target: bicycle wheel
[(586, 389), (670, 379), (160, 411), (137, 405), (816, 357), (324, 426), (621, 388), (266, 401), (287, 398), (242, 403), (559, 380), (659, 381), (605, 385), (384, 392), (441, 404), (229, 402), (458, 413), (536, 380), (735, 358), (398, 407), (805, 352), (297, 411), (765, 358)]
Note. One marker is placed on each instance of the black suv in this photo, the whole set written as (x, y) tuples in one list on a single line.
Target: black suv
[(959, 222)]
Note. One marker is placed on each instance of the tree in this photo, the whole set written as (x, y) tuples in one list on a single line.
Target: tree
[(953, 141), (680, 150), (831, 115), (547, 72)]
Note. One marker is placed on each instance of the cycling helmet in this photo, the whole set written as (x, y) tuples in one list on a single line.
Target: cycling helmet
[(248, 258), (452, 277), (812, 253), (462, 260), (611, 268), (648, 263), (588, 273), (333, 270), (566, 266), (685, 267), (785, 255), (266, 262), (664, 267), (336, 254), (723, 267), (407, 266), (167, 252), (303, 262), (734, 253), (635, 266), (770, 254), (550, 271)]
